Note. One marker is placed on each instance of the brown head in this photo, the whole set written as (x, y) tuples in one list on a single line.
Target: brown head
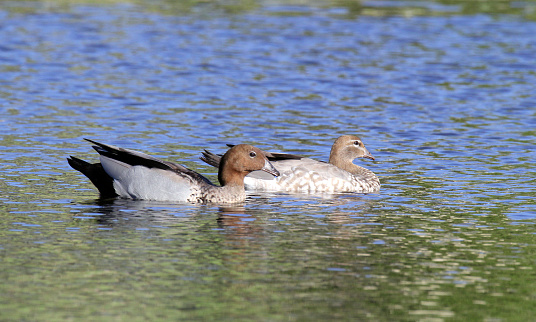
[(239, 161), (347, 148)]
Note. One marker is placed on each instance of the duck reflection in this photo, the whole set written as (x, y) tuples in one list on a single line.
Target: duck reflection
[(138, 214), (259, 213), (241, 225)]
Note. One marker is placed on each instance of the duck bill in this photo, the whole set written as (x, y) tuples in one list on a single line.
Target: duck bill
[(268, 167), (368, 155)]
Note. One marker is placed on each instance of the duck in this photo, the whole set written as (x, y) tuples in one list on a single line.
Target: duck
[(305, 175), (131, 174)]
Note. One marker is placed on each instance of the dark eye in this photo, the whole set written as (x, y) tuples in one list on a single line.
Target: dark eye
[(252, 154), (356, 143)]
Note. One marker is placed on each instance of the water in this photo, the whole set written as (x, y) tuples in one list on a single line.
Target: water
[(442, 95)]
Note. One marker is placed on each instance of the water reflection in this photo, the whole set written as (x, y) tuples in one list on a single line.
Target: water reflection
[(443, 96), (348, 9), (134, 213)]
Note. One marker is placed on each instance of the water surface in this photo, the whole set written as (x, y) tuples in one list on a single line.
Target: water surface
[(442, 95)]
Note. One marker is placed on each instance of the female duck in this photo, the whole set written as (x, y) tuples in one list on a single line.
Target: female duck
[(299, 174), (131, 174)]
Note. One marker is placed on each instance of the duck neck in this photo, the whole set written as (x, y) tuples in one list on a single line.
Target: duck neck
[(341, 160), (229, 177), (346, 165)]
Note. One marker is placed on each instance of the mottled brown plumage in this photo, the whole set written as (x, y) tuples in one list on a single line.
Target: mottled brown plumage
[(299, 174)]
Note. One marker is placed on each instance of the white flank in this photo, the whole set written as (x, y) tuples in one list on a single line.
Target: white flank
[(139, 182), (307, 175)]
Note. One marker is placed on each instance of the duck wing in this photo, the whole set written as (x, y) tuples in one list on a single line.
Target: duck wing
[(119, 157), (214, 159)]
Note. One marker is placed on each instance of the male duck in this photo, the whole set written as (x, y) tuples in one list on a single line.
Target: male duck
[(131, 174), (299, 174)]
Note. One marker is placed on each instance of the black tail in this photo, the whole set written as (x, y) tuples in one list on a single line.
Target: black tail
[(214, 159), (211, 158), (95, 172)]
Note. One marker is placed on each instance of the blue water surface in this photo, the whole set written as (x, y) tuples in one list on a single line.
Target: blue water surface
[(441, 94)]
